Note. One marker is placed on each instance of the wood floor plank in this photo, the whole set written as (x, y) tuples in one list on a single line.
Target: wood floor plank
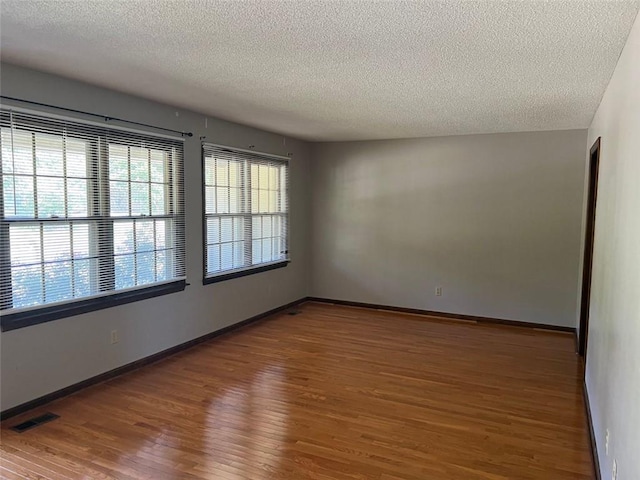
[(331, 393)]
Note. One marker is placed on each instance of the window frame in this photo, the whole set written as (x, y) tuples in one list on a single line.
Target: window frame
[(98, 193), (252, 269)]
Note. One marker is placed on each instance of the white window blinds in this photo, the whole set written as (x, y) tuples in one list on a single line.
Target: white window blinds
[(246, 210), (87, 211)]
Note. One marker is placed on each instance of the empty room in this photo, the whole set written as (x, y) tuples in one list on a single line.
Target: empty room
[(320, 239)]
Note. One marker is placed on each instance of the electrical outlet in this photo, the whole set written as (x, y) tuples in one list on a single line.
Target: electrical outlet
[(438, 291), (614, 471), (606, 442), (114, 337)]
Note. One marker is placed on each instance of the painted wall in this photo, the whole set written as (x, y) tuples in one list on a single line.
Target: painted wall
[(613, 350), (495, 220), (43, 358)]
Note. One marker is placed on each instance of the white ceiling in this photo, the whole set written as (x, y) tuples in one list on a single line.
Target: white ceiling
[(338, 70)]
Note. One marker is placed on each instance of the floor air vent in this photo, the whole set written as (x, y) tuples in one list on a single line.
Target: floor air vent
[(293, 312), (34, 422)]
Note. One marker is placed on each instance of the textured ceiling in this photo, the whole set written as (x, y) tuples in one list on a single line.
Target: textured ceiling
[(338, 70)]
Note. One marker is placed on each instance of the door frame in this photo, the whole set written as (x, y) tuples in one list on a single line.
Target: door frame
[(589, 236)]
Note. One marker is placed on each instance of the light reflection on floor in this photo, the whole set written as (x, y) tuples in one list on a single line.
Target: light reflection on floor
[(254, 444)]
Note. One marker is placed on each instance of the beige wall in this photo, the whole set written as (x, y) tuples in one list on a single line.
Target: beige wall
[(613, 351), (43, 358), (493, 219)]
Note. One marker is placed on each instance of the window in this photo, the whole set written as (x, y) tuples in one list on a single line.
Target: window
[(90, 217), (246, 212)]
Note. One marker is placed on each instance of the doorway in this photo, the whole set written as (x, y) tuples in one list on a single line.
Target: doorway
[(587, 269)]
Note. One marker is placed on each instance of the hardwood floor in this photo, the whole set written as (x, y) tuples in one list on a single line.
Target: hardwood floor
[(331, 393)]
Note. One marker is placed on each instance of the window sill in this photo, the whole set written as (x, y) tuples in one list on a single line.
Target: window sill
[(13, 321), (244, 273)]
